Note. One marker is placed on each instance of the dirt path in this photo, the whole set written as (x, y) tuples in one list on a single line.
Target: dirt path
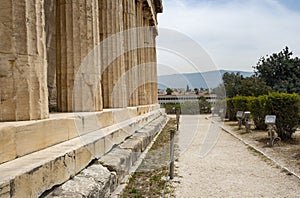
[(230, 169)]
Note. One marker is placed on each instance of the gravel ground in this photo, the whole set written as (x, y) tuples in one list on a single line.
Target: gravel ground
[(230, 169)]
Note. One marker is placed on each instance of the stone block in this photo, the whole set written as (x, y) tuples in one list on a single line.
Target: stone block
[(99, 148), (36, 181), (118, 160), (5, 190), (83, 156), (105, 118), (86, 123), (95, 181), (40, 135), (135, 146), (7, 144), (120, 115)]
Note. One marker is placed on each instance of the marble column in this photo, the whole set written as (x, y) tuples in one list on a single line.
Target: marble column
[(23, 66), (78, 70), (148, 55), (130, 45), (112, 59), (141, 53), (50, 28), (154, 85)]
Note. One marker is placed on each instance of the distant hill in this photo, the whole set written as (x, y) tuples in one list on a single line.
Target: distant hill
[(210, 79)]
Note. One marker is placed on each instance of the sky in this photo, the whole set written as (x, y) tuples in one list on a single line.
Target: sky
[(224, 34)]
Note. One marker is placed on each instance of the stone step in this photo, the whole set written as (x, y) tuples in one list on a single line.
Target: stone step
[(22, 138), (101, 178), (35, 173)]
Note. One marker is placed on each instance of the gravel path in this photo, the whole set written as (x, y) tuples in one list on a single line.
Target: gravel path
[(230, 169)]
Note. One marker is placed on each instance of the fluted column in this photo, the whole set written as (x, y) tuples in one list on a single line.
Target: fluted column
[(23, 66), (141, 53), (112, 60), (148, 55), (50, 28), (129, 9), (78, 69), (154, 85)]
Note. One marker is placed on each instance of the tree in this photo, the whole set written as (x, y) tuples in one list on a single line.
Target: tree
[(280, 71), (253, 86), (196, 90), (169, 91), (232, 82), (235, 84)]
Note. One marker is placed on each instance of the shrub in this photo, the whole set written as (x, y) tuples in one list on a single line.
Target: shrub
[(230, 114), (284, 106), (238, 103), (257, 108)]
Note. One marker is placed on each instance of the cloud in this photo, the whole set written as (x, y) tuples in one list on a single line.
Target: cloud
[(236, 33)]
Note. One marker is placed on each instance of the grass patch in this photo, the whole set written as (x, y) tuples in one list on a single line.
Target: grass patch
[(149, 179)]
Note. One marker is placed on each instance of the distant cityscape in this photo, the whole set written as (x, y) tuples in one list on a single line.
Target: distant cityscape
[(181, 95)]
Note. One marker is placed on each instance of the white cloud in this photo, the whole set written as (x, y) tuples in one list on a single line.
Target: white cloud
[(236, 33)]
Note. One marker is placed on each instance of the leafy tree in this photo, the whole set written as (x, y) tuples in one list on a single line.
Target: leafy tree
[(253, 86), (280, 71), (169, 91), (232, 83), (235, 84)]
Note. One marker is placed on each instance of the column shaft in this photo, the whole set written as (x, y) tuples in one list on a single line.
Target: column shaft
[(141, 54), (78, 69), (129, 8), (23, 66), (112, 47)]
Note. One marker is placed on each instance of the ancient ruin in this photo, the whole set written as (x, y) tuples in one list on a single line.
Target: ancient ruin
[(77, 78)]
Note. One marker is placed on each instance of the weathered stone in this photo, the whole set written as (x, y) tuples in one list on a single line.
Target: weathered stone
[(118, 160), (61, 37), (78, 73), (5, 189), (95, 181), (23, 63), (8, 144)]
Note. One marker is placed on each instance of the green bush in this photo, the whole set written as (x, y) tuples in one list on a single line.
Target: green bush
[(235, 104), (257, 109), (285, 106), (230, 114)]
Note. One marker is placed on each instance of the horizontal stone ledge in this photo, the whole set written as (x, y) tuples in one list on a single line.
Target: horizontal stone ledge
[(21, 138), (102, 177), (37, 172)]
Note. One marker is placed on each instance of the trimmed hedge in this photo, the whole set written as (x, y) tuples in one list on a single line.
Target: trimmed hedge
[(285, 106), (238, 103)]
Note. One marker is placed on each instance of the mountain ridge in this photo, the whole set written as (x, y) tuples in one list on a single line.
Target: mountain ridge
[(209, 79)]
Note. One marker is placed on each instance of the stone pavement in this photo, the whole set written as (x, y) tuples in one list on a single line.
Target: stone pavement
[(212, 163)]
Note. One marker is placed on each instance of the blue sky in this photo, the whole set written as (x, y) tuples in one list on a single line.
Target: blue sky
[(233, 33)]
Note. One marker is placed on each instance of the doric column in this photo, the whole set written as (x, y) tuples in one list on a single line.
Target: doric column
[(23, 66), (112, 47), (148, 55), (78, 69), (141, 53), (50, 28), (129, 9), (154, 66)]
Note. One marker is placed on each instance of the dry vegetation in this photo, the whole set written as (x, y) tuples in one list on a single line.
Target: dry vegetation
[(150, 178)]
